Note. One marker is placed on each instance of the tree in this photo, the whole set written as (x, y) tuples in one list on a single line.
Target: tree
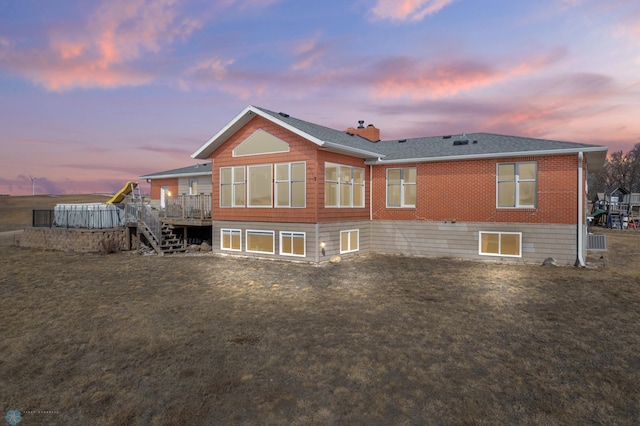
[(619, 170)]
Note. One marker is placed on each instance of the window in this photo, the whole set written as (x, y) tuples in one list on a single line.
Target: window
[(291, 185), (261, 242), (292, 244), (343, 186), (193, 186), (516, 184), (260, 185), (501, 244), (230, 239), (260, 142), (232, 187), (349, 241), (401, 187)]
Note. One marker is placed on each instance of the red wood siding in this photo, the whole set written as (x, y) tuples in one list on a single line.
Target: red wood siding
[(172, 183), (300, 150), (465, 191)]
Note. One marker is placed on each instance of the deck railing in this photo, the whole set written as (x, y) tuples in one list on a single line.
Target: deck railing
[(188, 207), (142, 213)]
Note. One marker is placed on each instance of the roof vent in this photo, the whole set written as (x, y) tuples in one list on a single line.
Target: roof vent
[(402, 140), (475, 142), (446, 137), (461, 142), (349, 133), (283, 114)]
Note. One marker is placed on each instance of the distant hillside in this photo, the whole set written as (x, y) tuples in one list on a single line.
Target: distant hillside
[(15, 211)]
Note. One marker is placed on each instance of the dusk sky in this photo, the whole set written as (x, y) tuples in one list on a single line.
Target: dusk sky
[(96, 93)]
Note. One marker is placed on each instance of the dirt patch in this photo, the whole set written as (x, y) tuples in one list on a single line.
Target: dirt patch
[(128, 339)]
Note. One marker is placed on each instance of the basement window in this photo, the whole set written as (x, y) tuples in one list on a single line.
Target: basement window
[(500, 244)]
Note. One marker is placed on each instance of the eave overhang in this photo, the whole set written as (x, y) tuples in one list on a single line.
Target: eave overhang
[(595, 156)]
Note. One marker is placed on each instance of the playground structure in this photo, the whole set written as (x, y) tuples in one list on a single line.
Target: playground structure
[(119, 196), (617, 209)]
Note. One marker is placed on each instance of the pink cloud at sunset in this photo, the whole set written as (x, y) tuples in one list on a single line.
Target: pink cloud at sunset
[(406, 77), (407, 10), (100, 54)]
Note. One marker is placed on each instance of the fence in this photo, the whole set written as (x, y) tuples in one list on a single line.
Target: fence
[(42, 218), (89, 216), (78, 217)]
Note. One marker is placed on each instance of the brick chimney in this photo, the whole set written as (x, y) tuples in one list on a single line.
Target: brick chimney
[(370, 132)]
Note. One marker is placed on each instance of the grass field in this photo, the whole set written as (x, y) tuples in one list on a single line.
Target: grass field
[(375, 340)]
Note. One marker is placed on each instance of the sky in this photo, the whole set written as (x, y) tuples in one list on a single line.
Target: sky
[(96, 93)]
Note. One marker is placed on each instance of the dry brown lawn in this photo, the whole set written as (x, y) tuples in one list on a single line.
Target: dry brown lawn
[(375, 340)]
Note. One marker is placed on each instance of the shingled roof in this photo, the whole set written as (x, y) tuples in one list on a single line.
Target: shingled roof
[(195, 170), (424, 149)]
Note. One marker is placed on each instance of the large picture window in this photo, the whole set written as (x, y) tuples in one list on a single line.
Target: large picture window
[(349, 241), (401, 187), (232, 186), (516, 184), (292, 244), (261, 242), (260, 184), (500, 244), (290, 184), (231, 239), (343, 186)]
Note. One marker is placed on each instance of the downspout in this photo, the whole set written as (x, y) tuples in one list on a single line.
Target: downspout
[(370, 193), (580, 260)]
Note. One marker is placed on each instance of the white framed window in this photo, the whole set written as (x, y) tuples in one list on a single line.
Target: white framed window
[(516, 184), (290, 184), (261, 142), (500, 244), (293, 244), (231, 239), (343, 186), (260, 241), (401, 187), (349, 241), (193, 186), (232, 185), (260, 180)]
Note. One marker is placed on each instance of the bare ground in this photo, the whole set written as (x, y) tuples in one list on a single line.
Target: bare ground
[(129, 339)]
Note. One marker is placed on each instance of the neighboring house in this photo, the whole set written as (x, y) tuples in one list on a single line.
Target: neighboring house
[(183, 192), (287, 188)]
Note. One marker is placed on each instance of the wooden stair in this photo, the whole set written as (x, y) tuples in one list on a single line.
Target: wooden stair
[(171, 243)]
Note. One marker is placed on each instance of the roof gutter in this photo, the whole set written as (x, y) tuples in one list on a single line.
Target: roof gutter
[(484, 156), (178, 175)]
